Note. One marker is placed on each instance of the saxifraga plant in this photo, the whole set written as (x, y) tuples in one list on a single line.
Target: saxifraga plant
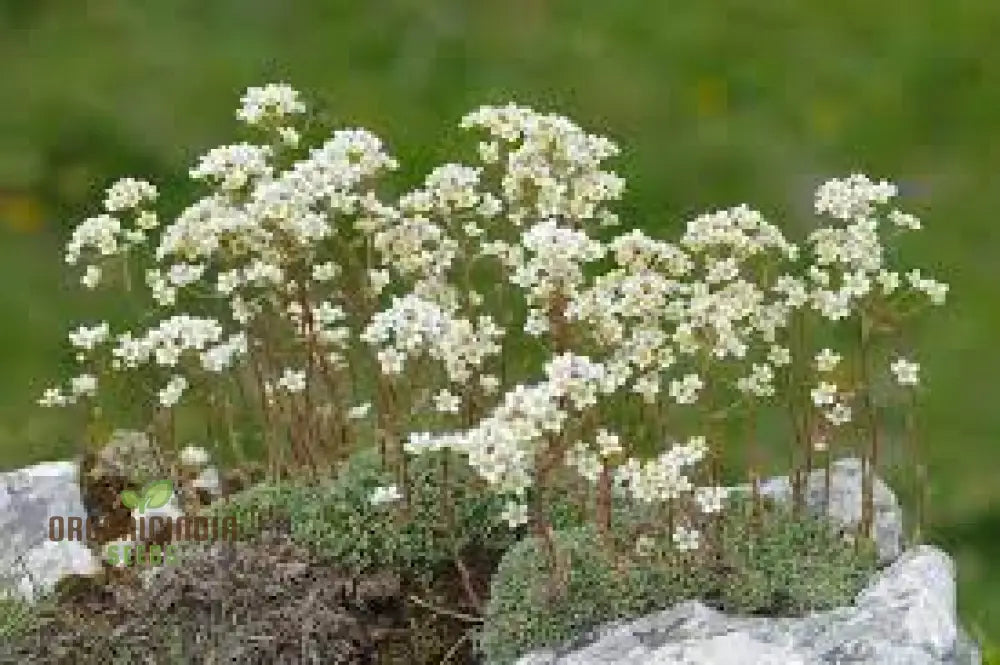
[(491, 317)]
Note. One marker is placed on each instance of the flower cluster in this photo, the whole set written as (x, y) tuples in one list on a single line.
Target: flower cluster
[(295, 271)]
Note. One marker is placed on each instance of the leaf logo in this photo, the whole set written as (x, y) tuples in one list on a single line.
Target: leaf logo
[(155, 495)]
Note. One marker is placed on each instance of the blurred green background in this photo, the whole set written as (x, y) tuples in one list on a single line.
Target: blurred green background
[(714, 104)]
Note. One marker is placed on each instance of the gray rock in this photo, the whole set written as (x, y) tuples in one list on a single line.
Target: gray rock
[(29, 562), (208, 480), (905, 616), (845, 503)]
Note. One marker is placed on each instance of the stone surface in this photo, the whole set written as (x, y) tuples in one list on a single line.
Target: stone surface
[(905, 616), (29, 562), (845, 502), (208, 480)]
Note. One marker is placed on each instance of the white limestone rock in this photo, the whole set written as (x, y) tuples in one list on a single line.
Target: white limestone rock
[(30, 563)]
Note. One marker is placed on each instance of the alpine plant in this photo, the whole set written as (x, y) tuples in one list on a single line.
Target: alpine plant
[(490, 315)]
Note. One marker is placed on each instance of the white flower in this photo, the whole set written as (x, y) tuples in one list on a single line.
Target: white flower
[(360, 411), (391, 361), (852, 198), (839, 414), (686, 539), (99, 233), (385, 494), (87, 338), (85, 384), (536, 324), (888, 280), (827, 360), (172, 392), (289, 136), (193, 456), (907, 373), (91, 277), (489, 383), (233, 166), (222, 356), (644, 546), (824, 395), (379, 280), (54, 397), (759, 382), (147, 220), (445, 402), (904, 220), (608, 443), (292, 380), (648, 386), (936, 291), (324, 272), (685, 391), (710, 499), (515, 514), (779, 356), (273, 101), (128, 193), (489, 151)]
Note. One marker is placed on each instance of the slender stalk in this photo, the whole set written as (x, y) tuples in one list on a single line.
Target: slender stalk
[(871, 456), (912, 435), (604, 501), (754, 454)]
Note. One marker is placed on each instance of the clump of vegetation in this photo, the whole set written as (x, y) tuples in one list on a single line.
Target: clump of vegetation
[(775, 565), (784, 565), (354, 521), (492, 359)]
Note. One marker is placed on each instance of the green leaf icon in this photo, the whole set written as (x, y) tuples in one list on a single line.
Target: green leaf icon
[(130, 499), (157, 493)]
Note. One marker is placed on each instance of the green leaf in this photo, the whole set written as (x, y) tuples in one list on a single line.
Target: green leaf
[(157, 493), (130, 499)]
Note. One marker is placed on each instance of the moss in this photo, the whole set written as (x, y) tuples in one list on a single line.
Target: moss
[(783, 566), (338, 522)]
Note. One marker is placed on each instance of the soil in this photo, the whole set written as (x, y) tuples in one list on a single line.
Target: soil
[(381, 618)]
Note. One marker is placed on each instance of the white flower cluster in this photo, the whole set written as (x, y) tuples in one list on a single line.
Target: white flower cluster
[(129, 194), (662, 478), (165, 343), (501, 446), (234, 166), (853, 255), (300, 246), (412, 326), (553, 166), (270, 102)]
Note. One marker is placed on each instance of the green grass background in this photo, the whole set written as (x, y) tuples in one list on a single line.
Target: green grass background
[(714, 103)]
